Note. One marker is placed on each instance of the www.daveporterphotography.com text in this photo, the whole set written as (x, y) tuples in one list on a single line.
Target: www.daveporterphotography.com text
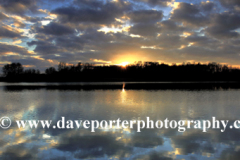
[(139, 124)]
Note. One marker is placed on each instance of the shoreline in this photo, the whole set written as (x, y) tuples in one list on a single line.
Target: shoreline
[(123, 86)]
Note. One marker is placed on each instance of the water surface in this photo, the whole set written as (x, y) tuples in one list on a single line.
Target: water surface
[(110, 104)]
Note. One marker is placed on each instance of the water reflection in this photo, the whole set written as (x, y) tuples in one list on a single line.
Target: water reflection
[(44, 104)]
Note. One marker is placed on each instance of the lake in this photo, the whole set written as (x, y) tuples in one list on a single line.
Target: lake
[(42, 101)]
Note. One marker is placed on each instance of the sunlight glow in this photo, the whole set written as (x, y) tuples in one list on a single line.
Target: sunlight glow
[(135, 36), (107, 30), (124, 64), (124, 58), (186, 34), (150, 47), (45, 22), (173, 4), (100, 60), (123, 88)]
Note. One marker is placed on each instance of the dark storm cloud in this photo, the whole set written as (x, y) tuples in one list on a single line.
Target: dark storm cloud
[(33, 19), (94, 4), (196, 30), (228, 136), (189, 143), (155, 2), (146, 139), (90, 40), (197, 51), (201, 43), (73, 43), (92, 146), (207, 6), (19, 24), (8, 32), (230, 153), (76, 15), (55, 29), (216, 52), (230, 3), (145, 29), (224, 25), (155, 156), (146, 16), (6, 48), (166, 41), (44, 47), (92, 35), (2, 16), (104, 14), (169, 26), (20, 152), (18, 7), (189, 14), (196, 38), (59, 44)]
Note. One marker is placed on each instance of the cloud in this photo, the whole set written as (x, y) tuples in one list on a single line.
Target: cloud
[(156, 155), (33, 19), (189, 14), (207, 6), (44, 47), (19, 24), (145, 16), (230, 3), (92, 146), (224, 25), (155, 2), (102, 15), (9, 32), (6, 49), (3, 16), (146, 139), (20, 152), (56, 43), (189, 143), (170, 26), (145, 29), (94, 4), (55, 29), (18, 7), (166, 41), (119, 30)]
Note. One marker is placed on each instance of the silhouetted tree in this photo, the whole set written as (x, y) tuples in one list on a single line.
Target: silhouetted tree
[(62, 66), (139, 71), (88, 66), (79, 67), (12, 69), (50, 70), (31, 71)]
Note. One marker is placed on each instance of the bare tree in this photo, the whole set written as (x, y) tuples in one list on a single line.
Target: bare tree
[(12, 69)]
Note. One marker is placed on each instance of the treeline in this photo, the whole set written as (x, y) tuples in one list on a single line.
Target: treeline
[(15, 69), (139, 71)]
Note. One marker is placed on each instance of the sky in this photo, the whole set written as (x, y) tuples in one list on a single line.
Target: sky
[(41, 33)]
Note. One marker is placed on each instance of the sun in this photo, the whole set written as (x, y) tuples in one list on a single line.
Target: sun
[(124, 64)]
